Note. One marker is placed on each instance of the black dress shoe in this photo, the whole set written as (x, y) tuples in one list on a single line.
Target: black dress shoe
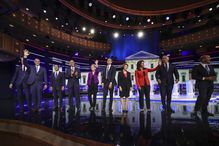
[(208, 114)]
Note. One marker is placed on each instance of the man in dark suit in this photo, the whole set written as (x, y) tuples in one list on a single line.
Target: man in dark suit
[(108, 83), (73, 75), (165, 79), (37, 81), (57, 86), (20, 81), (205, 76)]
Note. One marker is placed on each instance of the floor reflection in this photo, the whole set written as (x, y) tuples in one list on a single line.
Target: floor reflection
[(156, 128)]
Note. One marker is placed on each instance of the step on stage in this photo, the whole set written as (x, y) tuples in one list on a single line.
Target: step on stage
[(133, 128)]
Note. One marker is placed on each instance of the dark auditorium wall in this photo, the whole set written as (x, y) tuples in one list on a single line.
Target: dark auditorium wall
[(7, 98)]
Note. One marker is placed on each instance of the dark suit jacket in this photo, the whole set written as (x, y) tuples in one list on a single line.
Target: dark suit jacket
[(123, 81), (35, 77), (165, 76), (198, 72), (20, 76), (111, 75), (57, 82), (72, 80)]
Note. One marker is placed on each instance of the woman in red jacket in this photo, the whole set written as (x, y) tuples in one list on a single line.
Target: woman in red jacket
[(143, 83)]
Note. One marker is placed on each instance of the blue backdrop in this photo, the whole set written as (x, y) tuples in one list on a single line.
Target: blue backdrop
[(128, 44)]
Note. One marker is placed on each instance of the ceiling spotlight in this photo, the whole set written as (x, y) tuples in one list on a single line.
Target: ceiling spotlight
[(52, 42), (44, 11), (127, 18), (62, 25), (47, 19), (167, 18), (11, 25), (92, 31), (84, 29), (210, 9), (140, 34), (105, 21), (152, 22), (27, 40), (34, 35), (115, 35), (217, 6), (77, 30), (27, 9), (148, 20), (47, 46), (114, 16), (90, 4), (56, 18), (66, 23)]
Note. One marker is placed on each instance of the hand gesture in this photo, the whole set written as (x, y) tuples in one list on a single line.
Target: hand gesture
[(159, 62), (45, 87), (26, 53), (11, 86)]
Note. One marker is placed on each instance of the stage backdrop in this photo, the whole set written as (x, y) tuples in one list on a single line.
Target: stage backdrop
[(130, 44)]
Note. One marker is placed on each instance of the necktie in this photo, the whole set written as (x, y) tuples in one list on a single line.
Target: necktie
[(56, 74), (165, 66), (207, 68), (107, 70)]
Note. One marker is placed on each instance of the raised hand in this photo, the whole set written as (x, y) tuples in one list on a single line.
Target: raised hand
[(26, 53)]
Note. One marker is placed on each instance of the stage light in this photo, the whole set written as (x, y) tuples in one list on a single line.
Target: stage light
[(114, 16), (148, 20), (84, 29), (62, 25), (152, 22), (34, 35), (27, 9), (47, 19), (44, 11), (140, 34), (66, 23), (167, 18), (210, 9), (217, 6), (127, 18), (92, 31), (47, 46), (11, 25), (52, 42), (27, 40), (105, 21), (90, 4), (115, 35), (56, 18)]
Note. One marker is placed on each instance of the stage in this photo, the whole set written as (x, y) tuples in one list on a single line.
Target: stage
[(132, 128)]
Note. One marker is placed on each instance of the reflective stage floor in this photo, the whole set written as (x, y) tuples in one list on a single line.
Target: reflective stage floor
[(157, 128)]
